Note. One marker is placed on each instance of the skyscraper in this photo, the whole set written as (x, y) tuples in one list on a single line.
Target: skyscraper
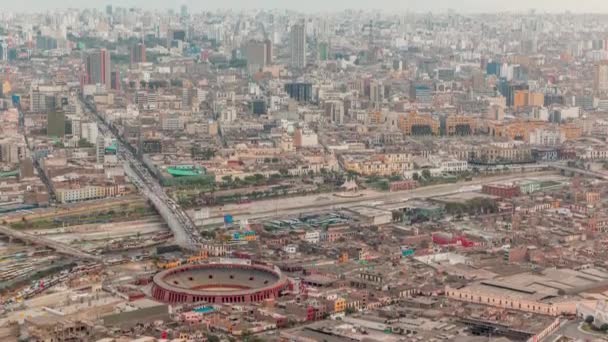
[(297, 41), (138, 53), (376, 94), (268, 44), (98, 68), (184, 11), (55, 125), (3, 51), (600, 77), (334, 111), (255, 54), (115, 80)]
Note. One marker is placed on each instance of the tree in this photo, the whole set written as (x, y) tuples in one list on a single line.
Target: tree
[(589, 319), (259, 178), (212, 338), (426, 174), (415, 176), (604, 327)]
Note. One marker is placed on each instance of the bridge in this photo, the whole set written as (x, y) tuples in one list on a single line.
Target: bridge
[(43, 241), (575, 170), (184, 230)]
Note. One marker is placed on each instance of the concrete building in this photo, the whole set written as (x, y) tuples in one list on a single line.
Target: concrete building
[(600, 77), (138, 53), (255, 52), (98, 68), (334, 111), (304, 137), (376, 94), (55, 124), (547, 137), (297, 43)]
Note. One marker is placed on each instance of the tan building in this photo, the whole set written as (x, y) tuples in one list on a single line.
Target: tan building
[(75, 192), (415, 124), (600, 77), (381, 165), (460, 125), (552, 292)]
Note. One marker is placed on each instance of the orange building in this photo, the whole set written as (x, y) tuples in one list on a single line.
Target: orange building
[(460, 125), (514, 130), (375, 118), (571, 131), (414, 124), (524, 98)]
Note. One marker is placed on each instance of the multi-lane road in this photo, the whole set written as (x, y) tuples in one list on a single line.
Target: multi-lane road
[(184, 231)]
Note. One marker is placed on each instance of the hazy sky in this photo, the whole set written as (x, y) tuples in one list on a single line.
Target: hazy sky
[(329, 5)]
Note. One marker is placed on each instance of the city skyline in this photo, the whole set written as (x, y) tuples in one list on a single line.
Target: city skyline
[(467, 6)]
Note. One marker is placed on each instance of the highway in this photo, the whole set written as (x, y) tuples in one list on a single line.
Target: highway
[(565, 167), (42, 241), (323, 202), (184, 231)]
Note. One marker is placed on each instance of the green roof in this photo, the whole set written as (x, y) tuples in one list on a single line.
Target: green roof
[(9, 173), (180, 171)]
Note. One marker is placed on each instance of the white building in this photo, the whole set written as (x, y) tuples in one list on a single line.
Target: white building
[(228, 115), (547, 137), (89, 131), (290, 249), (454, 165), (313, 236), (305, 137)]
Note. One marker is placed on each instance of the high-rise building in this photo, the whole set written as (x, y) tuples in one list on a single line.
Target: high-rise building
[(184, 11), (138, 53), (302, 92), (55, 125), (268, 45), (255, 54), (334, 111), (600, 77), (115, 80), (3, 51), (324, 51), (100, 148), (98, 68), (44, 43), (421, 93), (297, 42), (376, 94), (109, 10)]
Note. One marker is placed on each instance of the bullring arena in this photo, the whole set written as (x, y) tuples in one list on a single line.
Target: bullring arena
[(218, 283)]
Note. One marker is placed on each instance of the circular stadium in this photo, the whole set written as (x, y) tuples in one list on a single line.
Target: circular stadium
[(218, 283)]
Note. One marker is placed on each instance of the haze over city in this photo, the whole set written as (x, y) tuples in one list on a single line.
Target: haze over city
[(282, 171), (587, 6)]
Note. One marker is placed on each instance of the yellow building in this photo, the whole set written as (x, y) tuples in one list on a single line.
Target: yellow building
[(381, 165), (459, 125), (571, 131), (525, 98), (88, 192), (414, 124), (339, 305)]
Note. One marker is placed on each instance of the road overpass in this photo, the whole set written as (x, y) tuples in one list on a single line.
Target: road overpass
[(43, 241), (184, 231), (575, 170)]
